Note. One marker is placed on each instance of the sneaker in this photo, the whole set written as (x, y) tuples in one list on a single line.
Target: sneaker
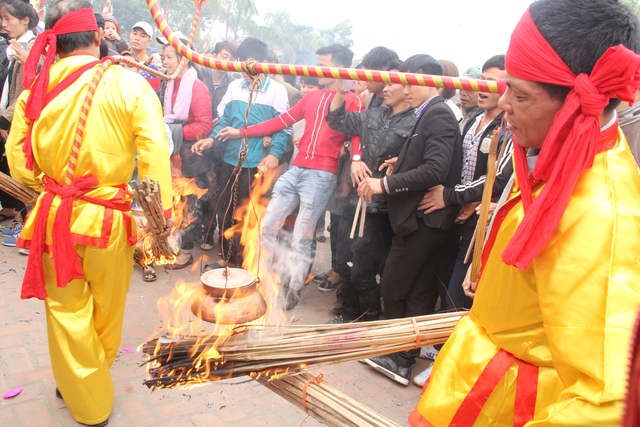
[(386, 366), (292, 299), (206, 246), (428, 352), (423, 376), (23, 251), (338, 320), (10, 241), (9, 232), (327, 286), (320, 277)]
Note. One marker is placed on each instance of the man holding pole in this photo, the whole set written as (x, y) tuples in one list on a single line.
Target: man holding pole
[(81, 125), (545, 343)]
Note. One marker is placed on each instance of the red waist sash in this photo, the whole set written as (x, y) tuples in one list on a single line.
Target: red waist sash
[(65, 260)]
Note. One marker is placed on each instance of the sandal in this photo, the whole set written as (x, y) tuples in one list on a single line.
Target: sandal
[(180, 266), (321, 238), (149, 274)]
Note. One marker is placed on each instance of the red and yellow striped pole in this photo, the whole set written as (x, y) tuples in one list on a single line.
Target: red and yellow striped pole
[(315, 71), (79, 136)]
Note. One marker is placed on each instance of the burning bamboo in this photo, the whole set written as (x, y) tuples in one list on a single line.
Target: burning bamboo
[(265, 352), (326, 404), (17, 190), (148, 195)]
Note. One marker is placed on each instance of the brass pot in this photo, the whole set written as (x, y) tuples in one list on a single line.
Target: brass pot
[(228, 296)]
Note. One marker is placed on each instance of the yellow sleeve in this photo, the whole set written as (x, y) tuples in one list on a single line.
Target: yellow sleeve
[(152, 144), (589, 296), (15, 157)]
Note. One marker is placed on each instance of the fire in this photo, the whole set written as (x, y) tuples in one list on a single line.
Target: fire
[(182, 188), (204, 338)]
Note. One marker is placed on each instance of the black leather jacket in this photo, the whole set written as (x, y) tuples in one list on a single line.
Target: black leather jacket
[(382, 136)]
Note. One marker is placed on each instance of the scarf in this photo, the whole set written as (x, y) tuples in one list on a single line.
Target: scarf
[(570, 146), (183, 101), (76, 21)]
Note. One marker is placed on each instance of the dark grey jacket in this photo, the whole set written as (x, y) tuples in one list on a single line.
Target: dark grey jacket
[(381, 138)]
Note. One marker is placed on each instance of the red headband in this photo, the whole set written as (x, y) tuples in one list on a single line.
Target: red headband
[(570, 146), (76, 21)]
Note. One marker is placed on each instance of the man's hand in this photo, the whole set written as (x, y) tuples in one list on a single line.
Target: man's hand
[(433, 200), (4, 134), (369, 187), (359, 172), (492, 208), (228, 133), (466, 212), (268, 163), (468, 286), (389, 164), (201, 146), (296, 141), (266, 141), (19, 53)]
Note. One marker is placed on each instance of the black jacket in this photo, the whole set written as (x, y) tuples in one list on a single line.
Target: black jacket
[(217, 92), (381, 138), (431, 156), (472, 191)]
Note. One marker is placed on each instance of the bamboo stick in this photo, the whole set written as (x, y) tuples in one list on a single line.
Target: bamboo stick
[(355, 218), (17, 190), (265, 352), (481, 227)]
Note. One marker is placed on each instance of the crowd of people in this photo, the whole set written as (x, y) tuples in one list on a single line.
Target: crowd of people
[(405, 163)]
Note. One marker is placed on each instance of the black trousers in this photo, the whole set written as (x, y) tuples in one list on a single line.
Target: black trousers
[(409, 283), (361, 292), (232, 246)]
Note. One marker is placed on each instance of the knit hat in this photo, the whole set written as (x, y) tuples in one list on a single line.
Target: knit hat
[(112, 19)]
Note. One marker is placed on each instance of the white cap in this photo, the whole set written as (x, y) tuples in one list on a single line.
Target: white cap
[(146, 27), (160, 39)]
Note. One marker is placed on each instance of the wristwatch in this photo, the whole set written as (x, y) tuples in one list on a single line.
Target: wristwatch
[(357, 158)]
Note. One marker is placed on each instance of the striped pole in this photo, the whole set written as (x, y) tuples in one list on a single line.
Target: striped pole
[(79, 136), (254, 68)]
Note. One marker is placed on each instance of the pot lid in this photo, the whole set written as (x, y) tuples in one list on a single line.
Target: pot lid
[(218, 278)]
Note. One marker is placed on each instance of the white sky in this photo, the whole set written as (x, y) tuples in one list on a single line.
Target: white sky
[(466, 32)]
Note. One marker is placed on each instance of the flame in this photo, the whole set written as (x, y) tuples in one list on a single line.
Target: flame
[(183, 187), (206, 338)]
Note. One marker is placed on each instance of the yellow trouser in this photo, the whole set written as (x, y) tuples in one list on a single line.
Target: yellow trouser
[(84, 324)]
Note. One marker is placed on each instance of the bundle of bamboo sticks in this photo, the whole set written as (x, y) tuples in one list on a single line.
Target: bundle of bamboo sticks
[(148, 195), (273, 352), (17, 190), (325, 403)]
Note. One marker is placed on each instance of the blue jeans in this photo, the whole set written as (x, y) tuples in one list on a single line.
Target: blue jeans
[(311, 189)]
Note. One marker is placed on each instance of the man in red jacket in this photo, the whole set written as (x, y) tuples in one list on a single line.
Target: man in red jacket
[(311, 180)]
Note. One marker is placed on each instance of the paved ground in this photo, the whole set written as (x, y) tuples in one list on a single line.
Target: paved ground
[(24, 361)]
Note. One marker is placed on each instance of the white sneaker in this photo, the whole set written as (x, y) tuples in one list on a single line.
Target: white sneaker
[(23, 251), (423, 376), (428, 352)]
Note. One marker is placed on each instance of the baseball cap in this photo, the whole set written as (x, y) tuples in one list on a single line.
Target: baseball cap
[(144, 26), (473, 73), (162, 40)]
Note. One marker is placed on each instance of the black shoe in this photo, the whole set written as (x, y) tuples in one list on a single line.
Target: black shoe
[(102, 424), (339, 320), (327, 286), (58, 394), (320, 277), (386, 366), (292, 299)]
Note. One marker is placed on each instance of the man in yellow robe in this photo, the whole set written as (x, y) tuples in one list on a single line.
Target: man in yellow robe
[(86, 189), (545, 343)]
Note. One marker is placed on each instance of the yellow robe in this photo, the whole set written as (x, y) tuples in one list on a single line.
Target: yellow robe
[(570, 314), (84, 319)]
